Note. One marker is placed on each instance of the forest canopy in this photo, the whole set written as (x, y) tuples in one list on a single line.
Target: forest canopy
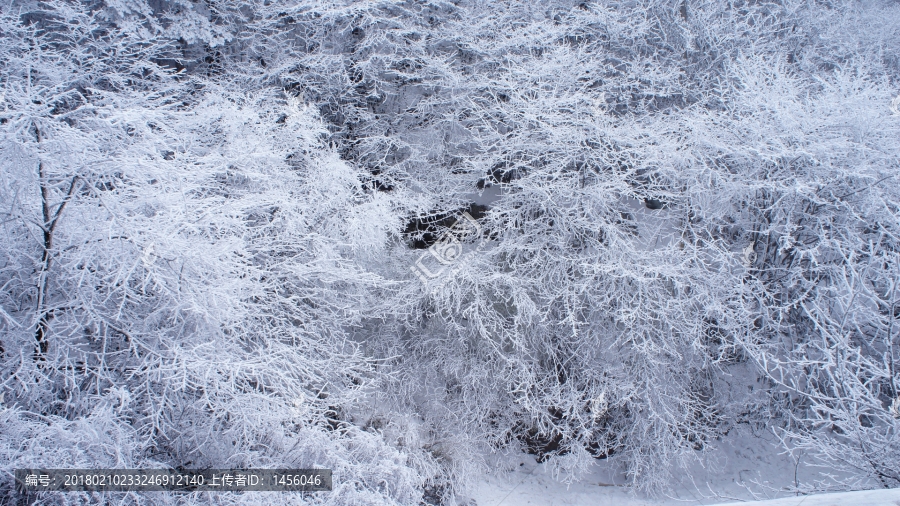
[(397, 239)]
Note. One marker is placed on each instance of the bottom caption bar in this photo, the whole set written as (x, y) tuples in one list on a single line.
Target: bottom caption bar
[(192, 480)]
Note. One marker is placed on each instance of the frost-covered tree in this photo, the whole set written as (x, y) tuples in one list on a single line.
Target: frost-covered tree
[(684, 199), (180, 266), (643, 151)]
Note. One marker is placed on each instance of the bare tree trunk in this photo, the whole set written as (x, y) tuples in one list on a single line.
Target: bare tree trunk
[(50, 219)]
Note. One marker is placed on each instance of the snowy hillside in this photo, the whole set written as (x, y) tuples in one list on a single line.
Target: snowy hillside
[(744, 469), (861, 498), (451, 250)]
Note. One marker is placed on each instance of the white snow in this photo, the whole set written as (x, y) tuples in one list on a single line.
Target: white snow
[(744, 468), (532, 486), (882, 497)]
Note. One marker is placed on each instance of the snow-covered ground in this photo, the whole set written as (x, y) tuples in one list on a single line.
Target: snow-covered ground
[(883, 497), (531, 486), (744, 468)]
